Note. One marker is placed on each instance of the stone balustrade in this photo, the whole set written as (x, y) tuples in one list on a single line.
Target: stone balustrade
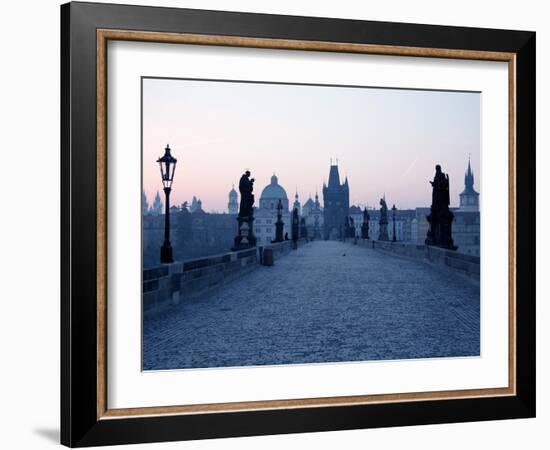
[(467, 265), (168, 284)]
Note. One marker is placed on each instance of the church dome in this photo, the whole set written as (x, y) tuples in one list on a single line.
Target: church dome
[(233, 193), (271, 195), (274, 190)]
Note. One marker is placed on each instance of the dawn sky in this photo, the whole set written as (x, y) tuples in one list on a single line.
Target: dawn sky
[(386, 140)]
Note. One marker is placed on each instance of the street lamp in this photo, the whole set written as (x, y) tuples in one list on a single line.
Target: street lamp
[(167, 168), (393, 216)]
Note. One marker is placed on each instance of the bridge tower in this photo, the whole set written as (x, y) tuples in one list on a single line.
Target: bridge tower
[(336, 205)]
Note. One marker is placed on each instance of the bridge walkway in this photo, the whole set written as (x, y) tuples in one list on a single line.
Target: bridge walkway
[(326, 302)]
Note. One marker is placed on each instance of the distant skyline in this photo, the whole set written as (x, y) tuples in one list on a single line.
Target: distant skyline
[(387, 141)]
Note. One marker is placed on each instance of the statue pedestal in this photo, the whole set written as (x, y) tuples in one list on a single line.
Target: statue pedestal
[(440, 233), (279, 231), (383, 235), (245, 239)]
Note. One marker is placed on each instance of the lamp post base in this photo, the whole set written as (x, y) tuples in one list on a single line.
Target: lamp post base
[(166, 254)]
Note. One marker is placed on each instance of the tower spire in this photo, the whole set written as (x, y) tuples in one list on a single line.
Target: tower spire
[(469, 177), (469, 198)]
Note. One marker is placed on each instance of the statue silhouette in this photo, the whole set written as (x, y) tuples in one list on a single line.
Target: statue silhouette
[(441, 217), (245, 219), (383, 222), (246, 186)]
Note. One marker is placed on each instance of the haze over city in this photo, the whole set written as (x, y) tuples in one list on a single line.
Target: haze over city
[(387, 141)]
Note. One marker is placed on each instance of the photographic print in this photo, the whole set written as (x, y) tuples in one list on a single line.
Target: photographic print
[(289, 224)]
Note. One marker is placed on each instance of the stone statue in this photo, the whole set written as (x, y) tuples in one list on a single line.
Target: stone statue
[(279, 225), (245, 237), (440, 217), (303, 228), (346, 228), (280, 210), (295, 228), (246, 186), (316, 228), (365, 225), (383, 211), (383, 222), (351, 228), (440, 189)]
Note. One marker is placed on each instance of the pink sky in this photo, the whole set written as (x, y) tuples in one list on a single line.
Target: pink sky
[(386, 140)]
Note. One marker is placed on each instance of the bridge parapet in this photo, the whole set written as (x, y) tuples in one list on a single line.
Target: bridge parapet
[(167, 284), (467, 265)]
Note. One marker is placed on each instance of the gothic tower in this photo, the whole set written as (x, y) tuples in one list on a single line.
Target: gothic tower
[(336, 205), (469, 198), (296, 204), (233, 205), (156, 209), (144, 204)]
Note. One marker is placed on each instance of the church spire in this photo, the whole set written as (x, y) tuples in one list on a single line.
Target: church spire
[(469, 177), (469, 198), (297, 205)]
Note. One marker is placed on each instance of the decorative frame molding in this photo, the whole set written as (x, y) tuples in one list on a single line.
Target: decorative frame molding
[(86, 418)]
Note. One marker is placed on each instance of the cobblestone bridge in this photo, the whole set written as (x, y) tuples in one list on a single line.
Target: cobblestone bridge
[(326, 302)]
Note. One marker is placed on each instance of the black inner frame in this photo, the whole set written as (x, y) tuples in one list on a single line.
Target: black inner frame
[(79, 424)]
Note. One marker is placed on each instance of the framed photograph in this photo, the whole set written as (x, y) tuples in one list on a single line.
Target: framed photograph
[(277, 224)]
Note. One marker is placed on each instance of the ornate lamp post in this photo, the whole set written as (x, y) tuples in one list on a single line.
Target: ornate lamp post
[(393, 217), (167, 168)]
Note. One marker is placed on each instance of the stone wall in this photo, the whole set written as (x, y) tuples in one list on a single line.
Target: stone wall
[(171, 283), (280, 248), (457, 262), (159, 289)]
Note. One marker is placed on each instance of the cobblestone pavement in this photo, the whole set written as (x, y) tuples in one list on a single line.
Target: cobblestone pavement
[(326, 302)]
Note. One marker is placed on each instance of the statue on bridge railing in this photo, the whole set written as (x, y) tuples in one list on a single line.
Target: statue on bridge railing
[(245, 237), (279, 225), (303, 228), (351, 228), (365, 225), (316, 228), (346, 228), (383, 233), (440, 217), (295, 228), (246, 186)]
